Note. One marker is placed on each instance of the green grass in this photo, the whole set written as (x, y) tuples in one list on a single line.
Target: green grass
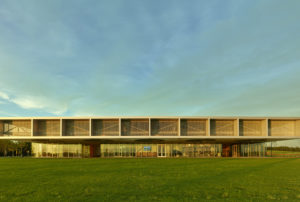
[(149, 179)]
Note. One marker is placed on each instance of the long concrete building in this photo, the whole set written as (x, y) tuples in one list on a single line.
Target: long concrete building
[(149, 136)]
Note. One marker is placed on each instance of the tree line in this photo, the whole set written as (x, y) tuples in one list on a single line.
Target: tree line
[(15, 148), (284, 148)]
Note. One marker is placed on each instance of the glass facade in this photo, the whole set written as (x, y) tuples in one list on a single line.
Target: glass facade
[(270, 149), (253, 150), (286, 148), (57, 150), (126, 150)]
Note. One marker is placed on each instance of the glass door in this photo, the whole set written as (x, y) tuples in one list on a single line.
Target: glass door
[(161, 150)]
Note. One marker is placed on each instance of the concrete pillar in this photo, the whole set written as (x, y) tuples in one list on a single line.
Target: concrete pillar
[(120, 122), (237, 127), (90, 127), (267, 128), (179, 127), (61, 127), (32, 125), (208, 127), (149, 126)]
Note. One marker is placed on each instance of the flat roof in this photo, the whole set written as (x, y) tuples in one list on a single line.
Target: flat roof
[(152, 117)]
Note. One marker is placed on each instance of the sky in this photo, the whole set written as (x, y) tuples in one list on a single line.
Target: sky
[(149, 58)]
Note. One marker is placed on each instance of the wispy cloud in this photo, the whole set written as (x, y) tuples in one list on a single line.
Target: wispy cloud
[(32, 103), (4, 96)]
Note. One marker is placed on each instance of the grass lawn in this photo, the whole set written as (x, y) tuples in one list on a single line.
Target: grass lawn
[(31, 179)]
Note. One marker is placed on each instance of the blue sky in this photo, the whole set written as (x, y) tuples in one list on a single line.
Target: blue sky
[(220, 58)]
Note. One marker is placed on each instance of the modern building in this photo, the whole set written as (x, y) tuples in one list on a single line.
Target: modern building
[(149, 136)]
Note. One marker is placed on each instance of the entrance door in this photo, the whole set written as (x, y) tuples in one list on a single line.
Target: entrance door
[(161, 150), (226, 150), (94, 150)]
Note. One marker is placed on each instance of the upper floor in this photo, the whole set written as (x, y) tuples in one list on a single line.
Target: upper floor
[(150, 126)]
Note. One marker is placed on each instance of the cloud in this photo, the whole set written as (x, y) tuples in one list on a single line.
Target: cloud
[(34, 102), (29, 102), (4, 96), (39, 103)]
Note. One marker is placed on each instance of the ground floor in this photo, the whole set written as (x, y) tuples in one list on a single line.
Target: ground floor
[(147, 150)]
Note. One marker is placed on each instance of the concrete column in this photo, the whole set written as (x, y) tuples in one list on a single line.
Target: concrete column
[(120, 122), (149, 126), (90, 127), (237, 129), (32, 125), (61, 127), (208, 127), (179, 126)]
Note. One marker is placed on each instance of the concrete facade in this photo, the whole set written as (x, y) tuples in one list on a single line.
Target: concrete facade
[(229, 132), (150, 128)]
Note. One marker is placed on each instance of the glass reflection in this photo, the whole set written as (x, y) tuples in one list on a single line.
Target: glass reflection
[(56, 150), (162, 150)]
